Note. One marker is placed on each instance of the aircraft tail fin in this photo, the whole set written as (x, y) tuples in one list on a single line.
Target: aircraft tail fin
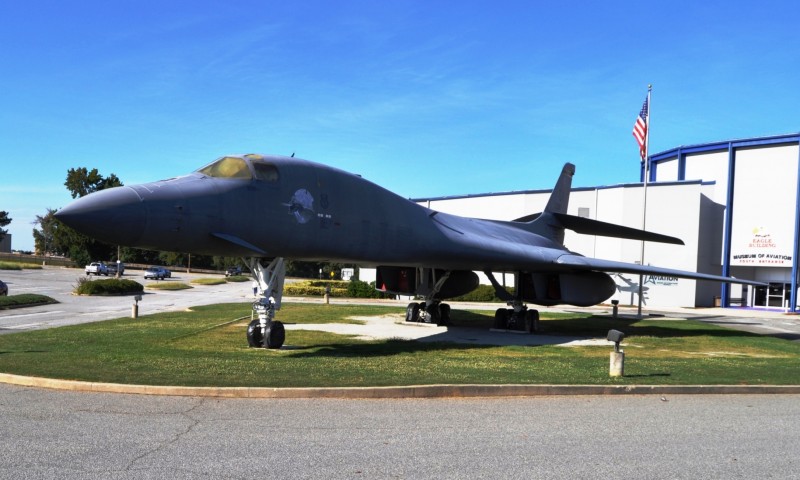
[(559, 198), (554, 219), (545, 223)]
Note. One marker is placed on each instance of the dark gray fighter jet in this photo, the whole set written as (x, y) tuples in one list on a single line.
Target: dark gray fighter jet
[(274, 207)]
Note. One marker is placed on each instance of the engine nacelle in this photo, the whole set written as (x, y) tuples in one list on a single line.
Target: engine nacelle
[(582, 289), (415, 281)]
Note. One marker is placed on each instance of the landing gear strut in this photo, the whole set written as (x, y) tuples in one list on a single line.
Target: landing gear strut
[(519, 317), (265, 331)]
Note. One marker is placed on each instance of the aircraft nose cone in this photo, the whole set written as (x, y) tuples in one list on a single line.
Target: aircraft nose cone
[(116, 215)]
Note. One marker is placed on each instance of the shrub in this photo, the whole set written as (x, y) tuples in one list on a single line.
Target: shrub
[(334, 284), (24, 300), (112, 286), (316, 288), (304, 289), (484, 293), (359, 289)]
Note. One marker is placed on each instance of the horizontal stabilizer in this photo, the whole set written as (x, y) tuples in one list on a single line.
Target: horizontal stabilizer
[(587, 226), (579, 262)]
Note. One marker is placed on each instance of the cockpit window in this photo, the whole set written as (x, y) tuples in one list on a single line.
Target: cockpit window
[(265, 171), (227, 167)]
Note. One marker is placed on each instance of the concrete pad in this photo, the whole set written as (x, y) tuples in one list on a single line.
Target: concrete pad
[(386, 327)]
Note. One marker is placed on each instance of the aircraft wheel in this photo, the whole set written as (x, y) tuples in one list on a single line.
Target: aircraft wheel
[(532, 321), (434, 314), (274, 336), (412, 312), (501, 319), (254, 336), (444, 314)]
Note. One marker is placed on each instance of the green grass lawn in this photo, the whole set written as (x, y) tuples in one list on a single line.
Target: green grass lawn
[(207, 347), (6, 265), (168, 286), (208, 281)]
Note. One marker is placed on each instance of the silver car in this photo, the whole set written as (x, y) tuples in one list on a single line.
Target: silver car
[(156, 273)]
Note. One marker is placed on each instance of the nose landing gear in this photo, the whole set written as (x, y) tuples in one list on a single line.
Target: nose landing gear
[(265, 331)]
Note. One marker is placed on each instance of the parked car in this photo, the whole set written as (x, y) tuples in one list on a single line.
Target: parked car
[(237, 270), (97, 268), (112, 268), (3, 289), (157, 273)]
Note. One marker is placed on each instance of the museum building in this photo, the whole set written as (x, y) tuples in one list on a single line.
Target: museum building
[(733, 203)]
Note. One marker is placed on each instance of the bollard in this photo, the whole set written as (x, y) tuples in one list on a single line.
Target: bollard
[(135, 306), (616, 367), (614, 309)]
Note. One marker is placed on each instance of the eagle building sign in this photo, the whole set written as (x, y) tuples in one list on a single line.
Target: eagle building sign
[(761, 248)]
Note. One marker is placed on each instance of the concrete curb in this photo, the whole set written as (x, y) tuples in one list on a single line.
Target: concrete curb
[(411, 391)]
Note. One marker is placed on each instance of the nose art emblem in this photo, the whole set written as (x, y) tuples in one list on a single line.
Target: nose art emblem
[(301, 206)]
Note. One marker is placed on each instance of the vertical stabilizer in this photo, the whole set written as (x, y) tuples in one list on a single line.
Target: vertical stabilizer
[(546, 224), (559, 199)]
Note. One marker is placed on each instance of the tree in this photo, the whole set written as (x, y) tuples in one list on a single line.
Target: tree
[(4, 220), (43, 239), (55, 237), (81, 181)]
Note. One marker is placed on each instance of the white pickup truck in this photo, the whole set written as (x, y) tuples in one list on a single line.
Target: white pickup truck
[(97, 268)]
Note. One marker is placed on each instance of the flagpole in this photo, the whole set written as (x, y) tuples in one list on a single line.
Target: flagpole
[(646, 161)]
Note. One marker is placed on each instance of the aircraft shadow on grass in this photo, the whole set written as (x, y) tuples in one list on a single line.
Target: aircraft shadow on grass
[(553, 331)]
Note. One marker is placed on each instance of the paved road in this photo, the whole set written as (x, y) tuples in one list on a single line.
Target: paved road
[(56, 434)]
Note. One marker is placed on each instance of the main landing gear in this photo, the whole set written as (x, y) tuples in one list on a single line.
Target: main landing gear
[(265, 331), (435, 312), (518, 317), (431, 310)]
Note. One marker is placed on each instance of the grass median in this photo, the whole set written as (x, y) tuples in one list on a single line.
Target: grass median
[(207, 347)]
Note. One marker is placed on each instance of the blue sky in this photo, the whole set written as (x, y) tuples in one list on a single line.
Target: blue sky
[(427, 98)]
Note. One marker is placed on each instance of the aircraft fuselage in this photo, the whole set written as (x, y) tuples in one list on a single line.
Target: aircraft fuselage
[(300, 210)]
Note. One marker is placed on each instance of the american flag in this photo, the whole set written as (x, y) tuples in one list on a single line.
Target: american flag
[(640, 130)]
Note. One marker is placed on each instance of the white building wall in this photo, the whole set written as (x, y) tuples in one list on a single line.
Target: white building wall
[(494, 207), (667, 171), (672, 209), (762, 230), (581, 203), (710, 167)]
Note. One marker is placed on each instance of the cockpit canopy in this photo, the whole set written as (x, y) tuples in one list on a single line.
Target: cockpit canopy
[(245, 167)]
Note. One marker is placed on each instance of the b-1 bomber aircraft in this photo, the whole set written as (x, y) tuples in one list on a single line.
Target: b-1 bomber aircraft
[(271, 208)]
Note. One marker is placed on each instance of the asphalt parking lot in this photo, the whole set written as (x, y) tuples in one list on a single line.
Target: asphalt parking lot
[(59, 282)]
